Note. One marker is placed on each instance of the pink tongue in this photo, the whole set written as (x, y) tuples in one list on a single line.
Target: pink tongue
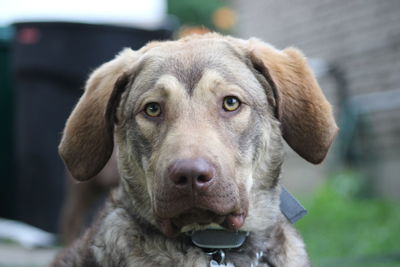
[(167, 227), (234, 221)]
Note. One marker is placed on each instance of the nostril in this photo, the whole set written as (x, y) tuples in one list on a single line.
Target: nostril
[(204, 178), (182, 180)]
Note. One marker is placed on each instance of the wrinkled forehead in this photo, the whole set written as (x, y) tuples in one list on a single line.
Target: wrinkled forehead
[(190, 64), (188, 61)]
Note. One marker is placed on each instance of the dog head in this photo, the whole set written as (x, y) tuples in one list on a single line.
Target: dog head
[(198, 124)]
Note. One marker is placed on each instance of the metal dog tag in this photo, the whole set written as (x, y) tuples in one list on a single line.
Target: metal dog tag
[(218, 239), (213, 263)]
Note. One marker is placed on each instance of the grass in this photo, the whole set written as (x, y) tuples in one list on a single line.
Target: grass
[(344, 230)]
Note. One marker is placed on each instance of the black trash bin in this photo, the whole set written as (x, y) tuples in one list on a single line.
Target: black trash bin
[(7, 179), (51, 62)]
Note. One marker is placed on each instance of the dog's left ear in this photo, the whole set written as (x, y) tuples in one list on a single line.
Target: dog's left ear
[(306, 117)]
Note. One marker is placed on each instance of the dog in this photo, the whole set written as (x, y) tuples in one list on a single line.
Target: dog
[(83, 201), (198, 125)]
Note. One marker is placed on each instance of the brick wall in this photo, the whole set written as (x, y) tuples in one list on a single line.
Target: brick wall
[(362, 38)]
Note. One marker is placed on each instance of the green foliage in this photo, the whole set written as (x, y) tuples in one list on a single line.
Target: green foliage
[(195, 12), (341, 230)]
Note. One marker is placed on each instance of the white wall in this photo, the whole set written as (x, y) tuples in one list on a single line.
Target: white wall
[(142, 13)]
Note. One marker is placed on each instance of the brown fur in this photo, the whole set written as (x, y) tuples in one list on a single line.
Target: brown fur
[(190, 78)]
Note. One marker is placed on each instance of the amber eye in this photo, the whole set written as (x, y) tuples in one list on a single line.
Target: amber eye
[(152, 109), (231, 103)]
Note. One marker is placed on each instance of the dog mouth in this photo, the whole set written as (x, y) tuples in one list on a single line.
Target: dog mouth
[(200, 219)]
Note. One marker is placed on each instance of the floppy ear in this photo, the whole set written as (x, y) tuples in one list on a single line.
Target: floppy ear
[(87, 141), (307, 122)]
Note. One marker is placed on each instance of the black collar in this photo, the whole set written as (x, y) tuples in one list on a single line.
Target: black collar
[(290, 207)]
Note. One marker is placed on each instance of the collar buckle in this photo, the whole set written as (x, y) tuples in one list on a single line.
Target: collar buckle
[(217, 257)]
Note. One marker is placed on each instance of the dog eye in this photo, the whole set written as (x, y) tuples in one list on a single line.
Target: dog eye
[(152, 109), (231, 103)]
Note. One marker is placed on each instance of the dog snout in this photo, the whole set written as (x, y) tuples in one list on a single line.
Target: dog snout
[(196, 174)]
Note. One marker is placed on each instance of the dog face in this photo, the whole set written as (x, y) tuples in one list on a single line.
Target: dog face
[(195, 130), (198, 125)]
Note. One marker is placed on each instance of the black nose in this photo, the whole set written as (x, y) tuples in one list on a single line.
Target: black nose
[(194, 173)]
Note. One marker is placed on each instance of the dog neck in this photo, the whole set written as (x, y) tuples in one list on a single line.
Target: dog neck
[(218, 242), (227, 248)]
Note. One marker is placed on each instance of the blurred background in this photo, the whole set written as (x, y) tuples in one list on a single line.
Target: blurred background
[(47, 50)]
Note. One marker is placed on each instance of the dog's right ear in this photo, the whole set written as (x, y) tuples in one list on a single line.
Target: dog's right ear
[(87, 141)]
